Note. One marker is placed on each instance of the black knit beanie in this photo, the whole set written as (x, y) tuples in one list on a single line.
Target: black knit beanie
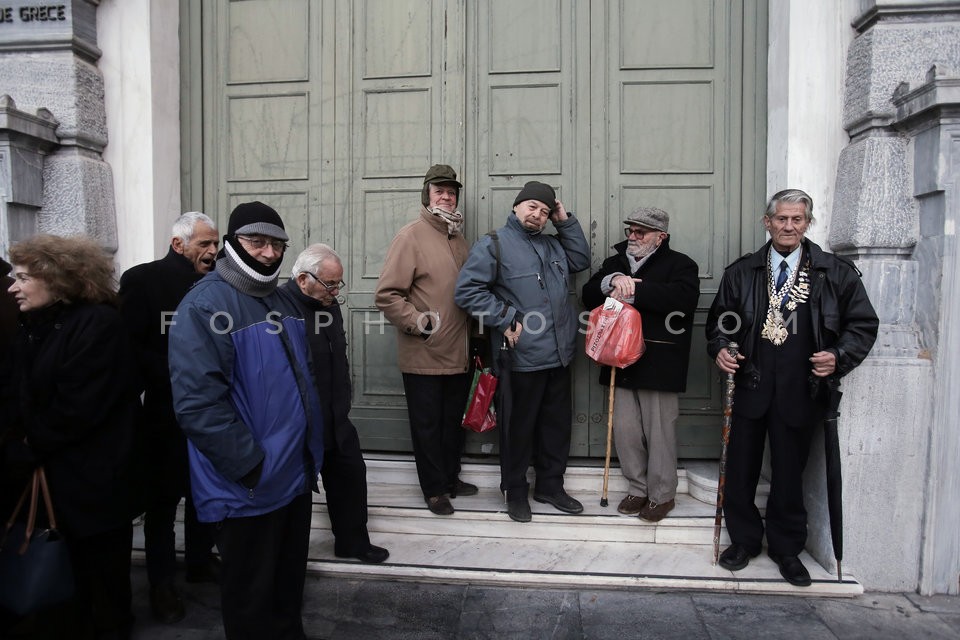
[(256, 218), (539, 191), (238, 267)]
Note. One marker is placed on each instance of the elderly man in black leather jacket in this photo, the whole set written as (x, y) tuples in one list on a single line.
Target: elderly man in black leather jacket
[(803, 320)]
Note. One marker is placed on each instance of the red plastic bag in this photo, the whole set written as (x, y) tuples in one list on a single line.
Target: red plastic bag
[(615, 334), (479, 415)]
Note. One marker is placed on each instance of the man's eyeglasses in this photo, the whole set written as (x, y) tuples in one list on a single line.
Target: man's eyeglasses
[(640, 233), (259, 242), (329, 286)]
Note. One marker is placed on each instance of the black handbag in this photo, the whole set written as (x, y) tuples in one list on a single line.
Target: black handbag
[(35, 568)]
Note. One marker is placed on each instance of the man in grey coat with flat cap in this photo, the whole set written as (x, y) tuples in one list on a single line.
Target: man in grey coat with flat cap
[(664, 286)]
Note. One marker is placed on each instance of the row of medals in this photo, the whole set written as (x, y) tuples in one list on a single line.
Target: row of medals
[(774, 327)]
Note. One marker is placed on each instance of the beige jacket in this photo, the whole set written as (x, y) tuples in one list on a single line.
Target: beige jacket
[(416, 286)]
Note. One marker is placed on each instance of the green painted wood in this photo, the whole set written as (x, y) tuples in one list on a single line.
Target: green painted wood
[(331, 110)]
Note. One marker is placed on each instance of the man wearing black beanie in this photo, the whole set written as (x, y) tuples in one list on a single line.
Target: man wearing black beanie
[(244, 395), (516, 281)]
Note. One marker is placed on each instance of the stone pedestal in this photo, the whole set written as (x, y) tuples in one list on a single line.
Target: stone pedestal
[(24, 141), (48, 61)]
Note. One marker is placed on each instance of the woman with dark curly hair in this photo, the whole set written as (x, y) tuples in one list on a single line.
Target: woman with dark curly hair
[(76, 406)]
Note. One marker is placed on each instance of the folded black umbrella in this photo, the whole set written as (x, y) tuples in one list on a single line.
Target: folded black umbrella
[(831, 447), (503, 365)]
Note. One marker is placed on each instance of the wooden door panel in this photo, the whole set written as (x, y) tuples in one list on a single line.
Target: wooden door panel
[(398, 86)]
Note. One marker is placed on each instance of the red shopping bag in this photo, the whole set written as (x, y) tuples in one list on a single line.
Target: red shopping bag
[(479, 414), (615, 334)]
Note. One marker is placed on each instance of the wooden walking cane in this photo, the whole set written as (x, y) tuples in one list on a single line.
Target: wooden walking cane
[(729, 386), (606, 464)]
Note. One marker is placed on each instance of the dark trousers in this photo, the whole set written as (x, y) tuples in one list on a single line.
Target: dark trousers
[(786, 516), (435, 406), (264, 566), (344, 477), (540, 425), (160, 539), (101, 605)]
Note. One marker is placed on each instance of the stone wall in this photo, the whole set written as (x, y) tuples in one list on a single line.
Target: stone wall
[(48, 61), (896, 455)]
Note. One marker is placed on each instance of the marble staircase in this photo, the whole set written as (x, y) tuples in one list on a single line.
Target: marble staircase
[(600, 548)]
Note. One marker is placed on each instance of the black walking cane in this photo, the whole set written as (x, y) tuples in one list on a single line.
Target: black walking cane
[(728, 389)]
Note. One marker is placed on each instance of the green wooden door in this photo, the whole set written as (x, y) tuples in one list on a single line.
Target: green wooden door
[(331, 111), (677, 97)]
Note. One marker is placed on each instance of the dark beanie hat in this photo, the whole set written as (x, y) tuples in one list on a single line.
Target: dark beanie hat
[(539, 191), (256, 218)]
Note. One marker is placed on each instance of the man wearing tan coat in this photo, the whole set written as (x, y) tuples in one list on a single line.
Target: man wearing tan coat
[(415, 293)]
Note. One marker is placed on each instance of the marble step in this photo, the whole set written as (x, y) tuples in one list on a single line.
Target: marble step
[(697, 478), (600, 548), (535, 563)]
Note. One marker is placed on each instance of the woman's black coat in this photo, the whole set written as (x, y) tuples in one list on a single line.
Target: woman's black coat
[(78, 405)]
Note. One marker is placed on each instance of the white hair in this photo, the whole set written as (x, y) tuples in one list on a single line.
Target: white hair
[(312, 257), (186, 224)]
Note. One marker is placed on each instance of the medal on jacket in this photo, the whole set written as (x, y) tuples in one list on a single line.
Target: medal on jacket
[(795, 290)]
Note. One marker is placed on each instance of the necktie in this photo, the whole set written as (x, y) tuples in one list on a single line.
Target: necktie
[(782, 276)]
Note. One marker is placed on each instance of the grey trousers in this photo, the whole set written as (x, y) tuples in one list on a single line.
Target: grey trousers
[(644, 428)]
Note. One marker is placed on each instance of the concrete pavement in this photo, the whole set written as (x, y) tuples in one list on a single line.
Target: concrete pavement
[(359, 609)]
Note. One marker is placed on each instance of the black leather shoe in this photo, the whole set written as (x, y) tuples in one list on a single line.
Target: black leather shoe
[(561, 500), (462, 488), (735, 557), (440, 505), (208, 571), (792, 569), (373, 555), (166, 604), (519, 510)]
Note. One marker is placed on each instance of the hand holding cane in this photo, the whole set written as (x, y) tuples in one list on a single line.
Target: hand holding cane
[(606, 464), (728, 390)]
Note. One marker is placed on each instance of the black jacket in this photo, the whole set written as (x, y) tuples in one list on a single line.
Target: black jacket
[(78, 406), (328, 352), (149, 295), (841, 315), (671, 285)]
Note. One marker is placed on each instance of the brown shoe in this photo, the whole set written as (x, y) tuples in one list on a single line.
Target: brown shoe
[(656, 511), (440, 505), (631, 505)]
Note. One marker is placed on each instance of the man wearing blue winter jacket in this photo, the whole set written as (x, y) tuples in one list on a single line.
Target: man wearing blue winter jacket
[(517, 282), (244, 396)]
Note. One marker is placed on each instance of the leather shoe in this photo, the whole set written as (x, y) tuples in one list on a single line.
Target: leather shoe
[(208, 571), (631, 505), (656, 511), (519, 510), (461, 488), (166, 604), (561, 500), (792, 569), (373, 555), (440, 505), (736, 557)]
